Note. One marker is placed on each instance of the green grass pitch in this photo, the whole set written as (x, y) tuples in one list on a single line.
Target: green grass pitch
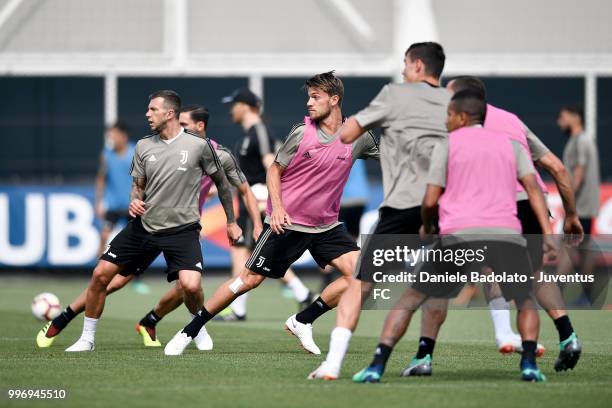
[(257, 364)]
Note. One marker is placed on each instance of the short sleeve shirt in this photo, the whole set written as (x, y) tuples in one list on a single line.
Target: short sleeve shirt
[(230, 166), (412, 117), (365, 147), (172, 173), (256, 143), (581, 150)]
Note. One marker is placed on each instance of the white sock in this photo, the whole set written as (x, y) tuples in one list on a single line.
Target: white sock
[(300, 292), (500, 314), (338, 345), (239, 305), (89, 329)]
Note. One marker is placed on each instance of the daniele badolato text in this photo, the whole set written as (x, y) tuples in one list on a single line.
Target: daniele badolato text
[(462, 259)]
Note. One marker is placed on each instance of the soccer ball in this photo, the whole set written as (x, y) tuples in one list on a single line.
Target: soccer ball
[(46, 306), (260, 191)]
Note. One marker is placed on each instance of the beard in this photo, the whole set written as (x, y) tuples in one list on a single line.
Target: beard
[(319, 116), (159, 127), (566, 130)]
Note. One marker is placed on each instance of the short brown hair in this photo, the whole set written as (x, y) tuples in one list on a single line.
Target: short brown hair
[(432, 55), (197, 113), (172, 100), (328, 83)]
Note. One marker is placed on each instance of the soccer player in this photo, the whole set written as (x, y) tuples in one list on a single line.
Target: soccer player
[(581, 158), (412, 117), (167, 168), (113, 184), (193, 119), (113, 181), (477, 159), (255, 152), (305, 185), (434, 310), (547, 294)]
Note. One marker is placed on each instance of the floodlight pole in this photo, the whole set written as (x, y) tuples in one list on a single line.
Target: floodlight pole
[(256, 84), (8, 10), (111, 108), (414, 21), (590, 104), (175, 32)]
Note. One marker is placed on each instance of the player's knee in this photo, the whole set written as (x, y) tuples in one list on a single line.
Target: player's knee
[(348, 264), (248, 280), (191, 288), (101, 276)]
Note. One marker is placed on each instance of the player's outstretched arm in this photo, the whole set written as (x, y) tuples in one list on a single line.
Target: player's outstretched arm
[(350, 131), (251, 204), (225, 196), (279, 216), (553, 165)]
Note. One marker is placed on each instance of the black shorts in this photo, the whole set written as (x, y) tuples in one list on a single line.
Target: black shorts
[(274, 254), (351, 217), (112, 217), (394, 221), (134, 248), (391, 221), (532, 231), (500, 256), (246, 224)]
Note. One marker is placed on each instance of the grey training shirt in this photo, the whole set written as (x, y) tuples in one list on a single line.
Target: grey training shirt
[(413, 119), (581, 150), (235, 176), (173, 170)]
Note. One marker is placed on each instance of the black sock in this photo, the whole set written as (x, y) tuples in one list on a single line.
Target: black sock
[(193, 328), (529, 351), (426, 346), (150, 320), (564, 327), (64, 318), (313, 311), (381, 355)]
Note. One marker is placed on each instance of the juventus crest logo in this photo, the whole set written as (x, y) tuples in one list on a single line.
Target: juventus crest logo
[(184, 156), (260, 261)]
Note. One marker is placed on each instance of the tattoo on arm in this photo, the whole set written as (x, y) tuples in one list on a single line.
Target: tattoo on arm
[(138, 187), (225, 194)]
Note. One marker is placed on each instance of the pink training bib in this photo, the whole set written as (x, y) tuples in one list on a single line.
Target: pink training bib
[(480, 187), (503, 121), (312, 184)]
